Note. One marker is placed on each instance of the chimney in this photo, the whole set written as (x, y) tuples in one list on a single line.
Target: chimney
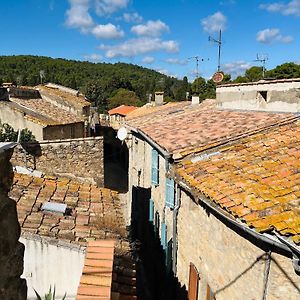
[(159, 98), (195, 100)]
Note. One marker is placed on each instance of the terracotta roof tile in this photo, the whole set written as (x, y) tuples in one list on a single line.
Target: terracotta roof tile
[(122, 110), (182, 128), (87, 221), (258, 179), (43, 111)]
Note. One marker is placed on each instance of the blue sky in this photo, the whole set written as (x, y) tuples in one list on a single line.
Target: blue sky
[(157, 34)]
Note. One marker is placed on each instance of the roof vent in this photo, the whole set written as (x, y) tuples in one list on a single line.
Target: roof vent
[(195, 100), (53, 207)]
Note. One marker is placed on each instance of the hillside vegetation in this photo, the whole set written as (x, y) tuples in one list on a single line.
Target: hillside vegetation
[(98, 81)]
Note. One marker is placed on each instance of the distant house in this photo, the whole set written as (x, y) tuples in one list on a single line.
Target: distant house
[(66, 98), (26, 108), (121, 111), (219, 189)]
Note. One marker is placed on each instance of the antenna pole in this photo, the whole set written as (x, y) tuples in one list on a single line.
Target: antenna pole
[(219, 42), (263, 59), (219, 54)]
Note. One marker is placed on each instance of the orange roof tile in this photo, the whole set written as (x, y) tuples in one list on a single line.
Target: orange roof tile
[(122, 110), (257, 179), (89, 207), (184, 128)]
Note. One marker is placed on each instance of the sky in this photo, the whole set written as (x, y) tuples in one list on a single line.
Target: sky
[(164, 35)]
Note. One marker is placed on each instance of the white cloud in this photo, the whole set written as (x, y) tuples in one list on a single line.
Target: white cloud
[(139, 46), (78, 15), (104, 7), (151, 28), (271, 35), (166, 72), (148, 60), (132, 18), (236, 68), (93, 57), (214, 22), (176, 61), (107, 31), (291, 8)]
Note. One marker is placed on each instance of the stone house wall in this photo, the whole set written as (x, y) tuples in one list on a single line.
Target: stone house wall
[(80, 158), (226, 261), (67, 131), (12, 287)]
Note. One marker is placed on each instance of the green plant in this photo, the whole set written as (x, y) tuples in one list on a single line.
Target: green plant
[(49, 295)]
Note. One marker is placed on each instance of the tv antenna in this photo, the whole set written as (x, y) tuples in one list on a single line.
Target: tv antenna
[(262, 58), (219, 42), (197, 59)]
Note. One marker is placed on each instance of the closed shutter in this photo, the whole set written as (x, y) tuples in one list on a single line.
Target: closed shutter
[(170, 193), (151, 210), (155, 168), (193, 283), (163, 236)]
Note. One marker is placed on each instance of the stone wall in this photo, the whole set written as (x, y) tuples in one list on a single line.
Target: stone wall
[(227, 262), (12, 287), (80, 158)]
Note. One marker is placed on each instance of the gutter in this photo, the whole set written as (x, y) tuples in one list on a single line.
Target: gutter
[(175, 214), (282, 245)]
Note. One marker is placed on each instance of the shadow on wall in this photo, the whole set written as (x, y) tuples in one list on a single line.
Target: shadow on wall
[(116, 160), (155, 279), (11, 250)]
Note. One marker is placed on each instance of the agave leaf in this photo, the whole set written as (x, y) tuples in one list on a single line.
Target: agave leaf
[(64, 297), (37, 295), (54, 292)]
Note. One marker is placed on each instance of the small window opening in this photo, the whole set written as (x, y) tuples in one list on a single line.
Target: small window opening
[(263, 94)]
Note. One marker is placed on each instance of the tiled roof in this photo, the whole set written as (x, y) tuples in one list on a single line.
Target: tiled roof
[(94, 211), (68, 97), (96, 279), (184, 128), (149, 109), (44, 112), (122, 110), (106, 275), (257, 180)]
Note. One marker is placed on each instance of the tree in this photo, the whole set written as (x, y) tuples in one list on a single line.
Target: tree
[(123, 96), (8, 134), (254, 74)]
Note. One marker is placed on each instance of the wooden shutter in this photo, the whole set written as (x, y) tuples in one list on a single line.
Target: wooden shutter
[(163, 236), (155, 168), (151, 210), (209, 294), (170, 193), (193, 283)]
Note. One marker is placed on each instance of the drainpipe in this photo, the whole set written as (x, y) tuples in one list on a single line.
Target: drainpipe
[(175, 214)]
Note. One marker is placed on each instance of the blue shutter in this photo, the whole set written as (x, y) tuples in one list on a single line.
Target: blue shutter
[(163, 236), (170, 192), (151, 211), (154, 168)]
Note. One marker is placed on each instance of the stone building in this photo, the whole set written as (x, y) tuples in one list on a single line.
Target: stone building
[(12, 287), (211, 250), (43, 114)]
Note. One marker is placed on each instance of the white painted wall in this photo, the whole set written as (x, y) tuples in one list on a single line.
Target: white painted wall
[(48, 264)]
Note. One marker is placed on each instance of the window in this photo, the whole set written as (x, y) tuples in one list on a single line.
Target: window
[(193, 283), (263, 95), (209, 294), (163, 236), (156, 223), (155, 168), (151, 210), (170, 193)]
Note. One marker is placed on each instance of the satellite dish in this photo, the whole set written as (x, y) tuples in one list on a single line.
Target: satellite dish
[(122, 134)]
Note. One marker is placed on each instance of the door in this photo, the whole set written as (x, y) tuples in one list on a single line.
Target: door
[(193, 283)]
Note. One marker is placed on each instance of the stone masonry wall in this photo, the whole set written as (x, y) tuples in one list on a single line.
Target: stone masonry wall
[(227, 262), (80, 158), (12, 287)]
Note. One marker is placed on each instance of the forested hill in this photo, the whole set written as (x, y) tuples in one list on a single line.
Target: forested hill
[(100, 82)]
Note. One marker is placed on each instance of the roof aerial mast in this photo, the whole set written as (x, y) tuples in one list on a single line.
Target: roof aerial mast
[(263, 59), (197, 58), (219, 42)]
